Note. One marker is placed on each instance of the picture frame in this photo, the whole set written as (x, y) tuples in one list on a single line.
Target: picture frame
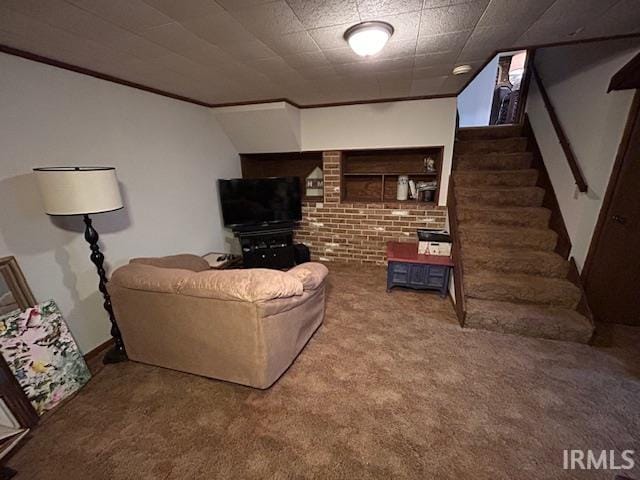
[(13, 279)]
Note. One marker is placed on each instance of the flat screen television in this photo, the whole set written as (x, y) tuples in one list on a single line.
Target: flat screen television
[(260, 201)]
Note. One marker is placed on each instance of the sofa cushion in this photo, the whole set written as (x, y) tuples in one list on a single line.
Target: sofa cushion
[(138, 276), (183, 261), (251, 285), (311, 274)]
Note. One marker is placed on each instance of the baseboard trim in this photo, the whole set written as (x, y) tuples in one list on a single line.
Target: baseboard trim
[(97, 353)]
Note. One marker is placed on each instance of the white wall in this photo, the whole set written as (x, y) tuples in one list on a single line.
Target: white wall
[(384, 125), (474, 102), (168, 155), (576, 78), (261, 128), (279, 127)]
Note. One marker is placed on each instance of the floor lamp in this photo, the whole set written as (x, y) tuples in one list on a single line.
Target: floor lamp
[(86, 191)]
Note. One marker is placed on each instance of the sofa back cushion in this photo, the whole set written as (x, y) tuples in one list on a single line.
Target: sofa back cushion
[(138, 276), (183, 261), (251, 285)]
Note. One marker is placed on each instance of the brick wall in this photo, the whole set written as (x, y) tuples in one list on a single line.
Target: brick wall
[(359, 232)]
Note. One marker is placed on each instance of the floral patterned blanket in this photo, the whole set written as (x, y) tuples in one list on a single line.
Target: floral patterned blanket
[(40, 350)]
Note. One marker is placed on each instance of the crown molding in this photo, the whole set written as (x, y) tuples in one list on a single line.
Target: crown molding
[(92, 73), (120, 81)]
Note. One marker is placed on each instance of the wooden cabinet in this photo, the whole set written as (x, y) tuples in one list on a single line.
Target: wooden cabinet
[(422, 277), (408, 268)]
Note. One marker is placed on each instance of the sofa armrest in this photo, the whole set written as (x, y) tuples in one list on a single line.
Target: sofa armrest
[(140, 276), (311, 274), (183, 261)]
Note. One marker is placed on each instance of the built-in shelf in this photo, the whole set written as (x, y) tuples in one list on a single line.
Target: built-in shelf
[(396, 174), (286, 164), (371, 176), (389, 200), (368, 176), (413, 201)]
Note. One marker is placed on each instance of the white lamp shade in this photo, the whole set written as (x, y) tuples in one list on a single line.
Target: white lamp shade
[(78, 190)]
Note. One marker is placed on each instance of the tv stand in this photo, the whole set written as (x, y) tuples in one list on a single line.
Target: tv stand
[(267, 246)]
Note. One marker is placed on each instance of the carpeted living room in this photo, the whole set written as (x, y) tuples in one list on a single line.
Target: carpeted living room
[(389, 387), (319, 239)]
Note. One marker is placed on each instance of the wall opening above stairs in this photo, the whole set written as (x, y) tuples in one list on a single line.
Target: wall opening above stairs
[(492, 98)]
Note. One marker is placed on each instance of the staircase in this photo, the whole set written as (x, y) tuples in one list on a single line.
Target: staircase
[(514, 281)]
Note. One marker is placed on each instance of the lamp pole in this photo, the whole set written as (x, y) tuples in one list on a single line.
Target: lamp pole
[(118, 352)]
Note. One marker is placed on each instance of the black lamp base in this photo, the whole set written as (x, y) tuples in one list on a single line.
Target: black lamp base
[(114, 355)]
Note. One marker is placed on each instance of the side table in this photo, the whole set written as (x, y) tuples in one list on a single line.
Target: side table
[(408, 268)]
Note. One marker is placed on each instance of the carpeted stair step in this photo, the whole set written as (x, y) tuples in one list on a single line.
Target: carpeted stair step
[(492, 145), (520, 288), (529, 320), (494, 161), (494, 131), (532, 217), (507, 237), (499, 178), (479, 258), (500, 196)]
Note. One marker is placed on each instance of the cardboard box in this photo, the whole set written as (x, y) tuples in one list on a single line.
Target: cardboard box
[(435, 248)]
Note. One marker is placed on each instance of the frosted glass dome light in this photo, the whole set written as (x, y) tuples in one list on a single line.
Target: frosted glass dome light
[(368, 38)]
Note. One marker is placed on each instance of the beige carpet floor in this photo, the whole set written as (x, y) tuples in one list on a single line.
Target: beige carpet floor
[(389, 387)]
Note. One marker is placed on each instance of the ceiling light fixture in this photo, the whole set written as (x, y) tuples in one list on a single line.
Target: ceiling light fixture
[(462, 69), (368, 38)]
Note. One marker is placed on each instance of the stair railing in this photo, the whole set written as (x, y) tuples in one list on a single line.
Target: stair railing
[(560, 133)]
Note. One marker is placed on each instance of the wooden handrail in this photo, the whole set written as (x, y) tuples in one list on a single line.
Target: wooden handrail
[(562, 137)]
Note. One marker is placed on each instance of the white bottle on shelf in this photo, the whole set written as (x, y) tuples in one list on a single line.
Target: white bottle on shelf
[(403, 187)]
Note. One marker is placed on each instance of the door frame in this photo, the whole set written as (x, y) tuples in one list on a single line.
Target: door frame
[(605, 210)]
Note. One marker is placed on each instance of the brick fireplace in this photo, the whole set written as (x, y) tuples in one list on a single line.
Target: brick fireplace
[(340, 231)]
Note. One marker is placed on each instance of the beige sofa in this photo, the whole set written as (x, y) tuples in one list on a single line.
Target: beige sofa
[(243, 326)]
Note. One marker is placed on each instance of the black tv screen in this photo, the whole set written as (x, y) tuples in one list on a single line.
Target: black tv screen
[(247, 201)]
